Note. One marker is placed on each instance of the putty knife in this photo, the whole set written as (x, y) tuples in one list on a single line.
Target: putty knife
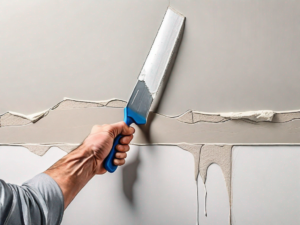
[(155, 71)]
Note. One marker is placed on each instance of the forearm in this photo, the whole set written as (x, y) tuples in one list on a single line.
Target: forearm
[(74, 171)]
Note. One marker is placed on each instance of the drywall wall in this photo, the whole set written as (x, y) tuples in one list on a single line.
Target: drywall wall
[(265, 185), (232, 52), (166, 172), (238, 55), (86, 50), (147, 190)]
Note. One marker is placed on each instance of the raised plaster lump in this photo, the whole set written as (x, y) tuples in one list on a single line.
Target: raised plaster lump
[(256, 116)]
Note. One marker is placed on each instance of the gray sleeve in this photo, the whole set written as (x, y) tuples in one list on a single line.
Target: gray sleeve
[(38, 201)]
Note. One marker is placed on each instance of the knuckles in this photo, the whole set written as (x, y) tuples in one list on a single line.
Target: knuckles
[(97, 127)]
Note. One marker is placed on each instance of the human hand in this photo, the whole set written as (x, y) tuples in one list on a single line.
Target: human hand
[(100, 142)]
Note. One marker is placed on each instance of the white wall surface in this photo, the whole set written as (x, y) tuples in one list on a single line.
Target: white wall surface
[(266, 185), (157, 186)]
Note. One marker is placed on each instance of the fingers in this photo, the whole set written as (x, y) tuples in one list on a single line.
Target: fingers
[(127, 130), (114, 130), (122, 148), (119, 162), (126, 140), (124, 144), (121, 155)]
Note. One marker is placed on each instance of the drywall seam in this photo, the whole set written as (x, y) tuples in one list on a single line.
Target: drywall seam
[(189, 117), (72, 126)]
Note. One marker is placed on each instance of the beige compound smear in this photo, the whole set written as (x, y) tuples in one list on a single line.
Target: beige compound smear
[(285, 117), (38, 149), (115, 103), (195, 151), (72, 126), (69, 103), (16, 119), (192, 117), (72, 104), (67, 148), (9, 119), (41, 149), (220, 155)]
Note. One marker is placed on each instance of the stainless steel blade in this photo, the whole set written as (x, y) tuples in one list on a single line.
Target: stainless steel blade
[(158, 64)]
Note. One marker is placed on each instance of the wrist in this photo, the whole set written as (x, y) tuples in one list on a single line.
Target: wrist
[(82, 160)]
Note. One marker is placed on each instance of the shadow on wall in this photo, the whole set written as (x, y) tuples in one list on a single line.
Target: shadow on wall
[(130, 169), (130, 176)]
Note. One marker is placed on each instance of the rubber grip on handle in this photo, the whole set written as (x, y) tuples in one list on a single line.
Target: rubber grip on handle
[(109, 161)]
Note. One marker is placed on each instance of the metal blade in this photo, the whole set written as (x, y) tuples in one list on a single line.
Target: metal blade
[(158, 64)]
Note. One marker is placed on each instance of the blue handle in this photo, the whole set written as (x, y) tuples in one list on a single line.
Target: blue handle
[(129, 118), (109, 161)]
